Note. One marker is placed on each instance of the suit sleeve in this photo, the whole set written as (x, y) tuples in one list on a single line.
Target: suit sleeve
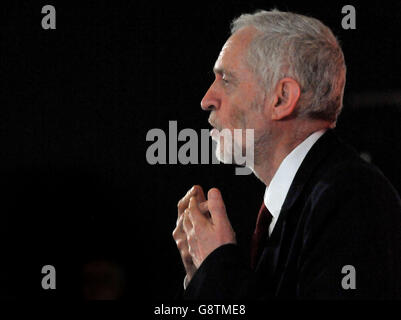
[(351, 242), (222, 275)]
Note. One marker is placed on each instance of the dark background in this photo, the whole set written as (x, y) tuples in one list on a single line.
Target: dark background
[(76, 105)]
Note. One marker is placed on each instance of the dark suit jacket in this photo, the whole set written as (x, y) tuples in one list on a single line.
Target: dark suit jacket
[(339, 211)]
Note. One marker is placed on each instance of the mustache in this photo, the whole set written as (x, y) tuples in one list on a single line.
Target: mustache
[(212, 121)]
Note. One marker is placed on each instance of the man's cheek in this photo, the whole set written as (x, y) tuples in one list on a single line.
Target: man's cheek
[(238, 118)]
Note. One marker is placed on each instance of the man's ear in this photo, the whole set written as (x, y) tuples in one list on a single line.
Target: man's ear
[(286, 96)]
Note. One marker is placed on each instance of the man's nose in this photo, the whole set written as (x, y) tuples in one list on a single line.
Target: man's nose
[(210, 101)]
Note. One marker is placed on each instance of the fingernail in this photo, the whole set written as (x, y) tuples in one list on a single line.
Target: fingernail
[(213, 194)]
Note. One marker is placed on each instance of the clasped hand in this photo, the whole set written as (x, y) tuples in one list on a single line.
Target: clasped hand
[(202, 226)]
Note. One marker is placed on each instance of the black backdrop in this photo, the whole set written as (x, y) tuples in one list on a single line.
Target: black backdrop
[(77, 102)]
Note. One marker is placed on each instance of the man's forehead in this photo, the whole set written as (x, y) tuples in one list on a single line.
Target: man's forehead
[(234, 50)]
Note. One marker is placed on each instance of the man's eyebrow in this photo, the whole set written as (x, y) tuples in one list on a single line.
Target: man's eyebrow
[(222, 71)]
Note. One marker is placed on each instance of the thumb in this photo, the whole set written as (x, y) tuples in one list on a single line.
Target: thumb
[(216, 206)]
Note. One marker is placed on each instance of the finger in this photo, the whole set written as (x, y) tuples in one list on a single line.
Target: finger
[(199, 194), (183, 203), (186, 224), (179, 221), (195, 215), (216, 207), (196, 192), (203, 207), (187, 258)]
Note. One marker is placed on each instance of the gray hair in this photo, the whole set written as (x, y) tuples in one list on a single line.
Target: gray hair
[(302, 48)]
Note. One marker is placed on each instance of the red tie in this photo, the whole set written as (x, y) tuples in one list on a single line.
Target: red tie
[(260, 234)]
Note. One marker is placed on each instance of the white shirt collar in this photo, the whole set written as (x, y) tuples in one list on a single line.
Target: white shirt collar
[(276, 192)]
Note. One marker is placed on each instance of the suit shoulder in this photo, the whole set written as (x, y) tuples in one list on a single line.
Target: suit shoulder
[(343, 181), (346, 170)]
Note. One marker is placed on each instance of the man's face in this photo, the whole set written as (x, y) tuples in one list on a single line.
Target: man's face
[(235, 98)]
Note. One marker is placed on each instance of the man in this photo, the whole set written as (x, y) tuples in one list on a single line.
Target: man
[(330, 223)]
